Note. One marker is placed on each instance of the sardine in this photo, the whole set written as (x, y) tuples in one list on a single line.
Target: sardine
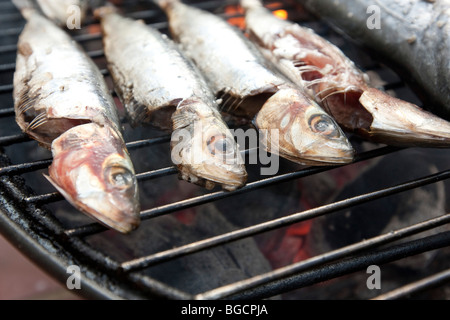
[(158, 85), (339, 86), (62, 101), (242, 78), (412, 35)]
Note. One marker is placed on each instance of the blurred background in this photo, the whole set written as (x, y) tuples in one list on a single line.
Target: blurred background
[(20, 279)]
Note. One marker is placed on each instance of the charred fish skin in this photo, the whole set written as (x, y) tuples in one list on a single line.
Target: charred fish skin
[(62, 101), (235, 69), (409, 32), (158, 85), (339, 86)]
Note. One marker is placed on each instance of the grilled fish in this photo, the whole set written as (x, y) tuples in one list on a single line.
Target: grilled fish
[(158, 85), (343, 90), (414, 35), (241, 78), (62, 101)]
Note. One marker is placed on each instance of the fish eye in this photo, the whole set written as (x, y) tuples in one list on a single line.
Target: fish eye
[(323, 124), (120, 177), (219, 144)]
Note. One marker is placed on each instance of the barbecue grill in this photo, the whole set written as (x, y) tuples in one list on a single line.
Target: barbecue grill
[(200, 244)]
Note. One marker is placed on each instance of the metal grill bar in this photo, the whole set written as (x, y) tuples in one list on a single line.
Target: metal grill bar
[(21, 137), (157, 287), (437, 279), (357, 262), (36, 165), (323, 259), (184, 204), (278, 223), (6, 88), (136, 284), (8, 66)]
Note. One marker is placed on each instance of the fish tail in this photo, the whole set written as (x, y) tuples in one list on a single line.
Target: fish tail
[(26, 7), (248, 4)]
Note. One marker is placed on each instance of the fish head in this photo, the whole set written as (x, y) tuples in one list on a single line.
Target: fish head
[(398, 122), (297, 128), (204, 148), (93, 171), (343, 104)]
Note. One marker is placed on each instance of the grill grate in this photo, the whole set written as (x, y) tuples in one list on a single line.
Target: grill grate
[(37, 223)]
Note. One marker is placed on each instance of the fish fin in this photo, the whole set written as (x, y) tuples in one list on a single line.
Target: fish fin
[(38, 121), (184, 117), (298, 63), (227, 102), (25, 102)]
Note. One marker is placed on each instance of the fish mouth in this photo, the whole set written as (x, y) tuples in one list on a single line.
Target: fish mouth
[(324, 158), (404, 138), (334, 151), (123, 218), (327, 161), (118, 220), (229, 180), (231, 183), (329, 153)]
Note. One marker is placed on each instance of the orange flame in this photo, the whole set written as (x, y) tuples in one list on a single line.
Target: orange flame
[(236, 10), (282, 14), (235, 21)]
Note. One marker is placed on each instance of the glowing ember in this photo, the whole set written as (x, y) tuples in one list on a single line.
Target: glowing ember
[(281, 14), (94, 29), (235, 21), (237, 14)]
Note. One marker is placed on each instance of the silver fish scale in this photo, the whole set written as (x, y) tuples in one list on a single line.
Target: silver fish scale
[(42, 79), (134, 76), (214, 46)]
